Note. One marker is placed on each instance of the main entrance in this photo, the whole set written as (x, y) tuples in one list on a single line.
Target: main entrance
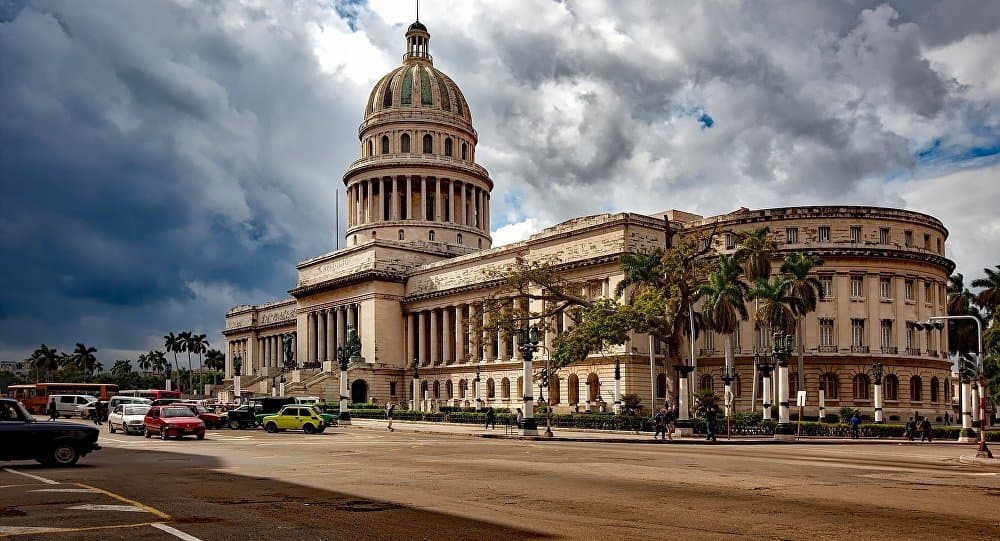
[(359, 391)]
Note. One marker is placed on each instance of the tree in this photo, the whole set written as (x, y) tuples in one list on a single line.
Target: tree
[(121, 368), (194, 343), (158, 360), (45, 360), (989, 297), (961, 335), (173, 344), (806, 287), (724, 305), (84, 360), (776, 309), (215, 360), (641, 270), (143, 362), (754, 250)]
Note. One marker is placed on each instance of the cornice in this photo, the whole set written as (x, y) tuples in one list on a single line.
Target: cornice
[(364, 276)]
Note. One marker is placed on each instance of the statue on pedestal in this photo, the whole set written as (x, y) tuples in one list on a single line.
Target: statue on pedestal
[(286, 343)]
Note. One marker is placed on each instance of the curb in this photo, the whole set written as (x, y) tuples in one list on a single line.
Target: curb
[(977, 461)]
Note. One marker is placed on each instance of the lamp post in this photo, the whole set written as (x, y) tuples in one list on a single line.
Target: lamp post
[(416, 384), (727, 378), (237, 368), (274, 381), (764, 366), (475, 390), (548, 404), (350, 353), (617, 406), (782, 350), (877, 384), (527, 344)]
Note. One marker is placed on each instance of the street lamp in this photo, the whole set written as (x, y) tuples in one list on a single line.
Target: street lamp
[(764, 366), (877, 382), (782, 350), (349, 353), (274, 379), (527, 344), (548, 404), (935, 323), (727, 378)]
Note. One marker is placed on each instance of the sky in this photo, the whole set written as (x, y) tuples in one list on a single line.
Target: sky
[(162, 161)]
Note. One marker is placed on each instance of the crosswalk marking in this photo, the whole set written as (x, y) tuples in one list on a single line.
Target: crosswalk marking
[(107, 507)]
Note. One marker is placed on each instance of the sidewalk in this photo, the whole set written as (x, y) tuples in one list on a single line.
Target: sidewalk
[(606, 436)]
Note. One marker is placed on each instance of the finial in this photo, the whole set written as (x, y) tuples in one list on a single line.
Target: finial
[(418, 10)]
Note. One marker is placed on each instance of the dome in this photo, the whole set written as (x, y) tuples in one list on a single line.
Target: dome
[(418, 86), (417, 26)]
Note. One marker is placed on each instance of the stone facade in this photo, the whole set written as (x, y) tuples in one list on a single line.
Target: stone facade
[(418, 267)]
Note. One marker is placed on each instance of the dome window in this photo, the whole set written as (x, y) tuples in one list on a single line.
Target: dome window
[(425, 89), (465, 151), (407, 97), (428, 144), (371, 151), (402, 236), (430, 236), (387, 97), (404, 143), (447, 147), (443, 89), (385, 144), (460, 238)]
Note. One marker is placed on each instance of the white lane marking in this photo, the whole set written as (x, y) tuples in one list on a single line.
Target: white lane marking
[(21, 530), (62, 490), (30, 476), (108, 507), (174, 532)]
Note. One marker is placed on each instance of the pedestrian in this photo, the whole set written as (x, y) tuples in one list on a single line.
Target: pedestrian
[(911, 429), (491, 417), (855, 426), (710, 415), (925, 429), (390, 408), (53, 411), (670, 420), (520, 417), (947, 418), (660, 423)]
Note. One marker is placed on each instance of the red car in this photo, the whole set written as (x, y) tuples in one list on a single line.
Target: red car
[(212, 420), (175, 421)]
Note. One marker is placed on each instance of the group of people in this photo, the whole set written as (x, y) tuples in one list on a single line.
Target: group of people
[(923, 426), (664, 422)]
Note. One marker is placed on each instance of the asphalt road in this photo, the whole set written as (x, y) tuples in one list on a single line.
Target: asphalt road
[(357, 483)]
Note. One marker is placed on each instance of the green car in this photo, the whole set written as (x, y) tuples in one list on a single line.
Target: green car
[(295, 417)]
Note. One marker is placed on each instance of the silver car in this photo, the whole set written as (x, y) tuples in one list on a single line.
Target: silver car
[(128, 418)]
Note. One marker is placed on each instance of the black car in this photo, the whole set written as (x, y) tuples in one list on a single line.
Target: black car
[(243, 416), (53, 443)]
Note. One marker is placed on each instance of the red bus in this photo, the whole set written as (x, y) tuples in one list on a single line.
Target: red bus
[(152, 394), (36, 397)]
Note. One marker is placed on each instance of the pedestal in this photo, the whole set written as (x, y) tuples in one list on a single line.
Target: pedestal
[(167, 385), (968, 434), (822, 405), (785, 430), (344, 417), (529, 427), (879, 416), (766, 392), (416, 394), (618, 396), (281, 389), (237, 391), (475, 393), (684, 428)]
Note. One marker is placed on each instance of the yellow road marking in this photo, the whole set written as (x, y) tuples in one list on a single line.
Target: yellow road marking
[(144, 507)]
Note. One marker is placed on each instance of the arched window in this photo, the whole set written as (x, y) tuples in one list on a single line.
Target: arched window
[(661, 386), (573, 389), (705, 382), (830, 386), (465, 151), (916, 389), (371, 149), (401, 234), (385, 144), (374, 234), (437, 389), (520, 387), (934, 389), (460, 238), (404, 143), (491, 391), (447, 147), (891, 383), (428, 144), (480, 243), (463, 388), (423, 389), (505, 389), (430, 236), (554, 397), (947, 389), (449, 391), (861, 386), (737, 387), (593, 387)]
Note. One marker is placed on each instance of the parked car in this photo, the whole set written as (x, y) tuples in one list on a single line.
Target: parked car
[(243, 416), (127, 417), (172, 421), (114, 401), (165, 401), (52, 443), (329, 419), (295, 417), (67, 405), (270, 405), (211, 420)]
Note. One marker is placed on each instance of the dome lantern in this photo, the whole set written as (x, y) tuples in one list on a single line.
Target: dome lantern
[(418, 44)]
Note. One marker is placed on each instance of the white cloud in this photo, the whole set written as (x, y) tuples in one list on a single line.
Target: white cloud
[(519, 231)]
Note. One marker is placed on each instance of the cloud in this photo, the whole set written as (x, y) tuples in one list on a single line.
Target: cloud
[(162, 160)]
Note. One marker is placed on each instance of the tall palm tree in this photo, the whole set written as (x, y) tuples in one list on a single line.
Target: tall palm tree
[(185, 341), (45, 360), (725, 302), (776, 308), (754, 250), (83, 359), (961, 302), (989, 298), (804, 285), (641, 270), (960, 299), (143, 362), (215, 360), (157, 360), (173, 344), (194, 343), (120, 368)]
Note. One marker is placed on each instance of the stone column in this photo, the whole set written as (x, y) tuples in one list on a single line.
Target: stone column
[(438, 200), (423, 198), (459, 333), (311, 338), (435, 332), (475, 339), (371, 200), (488, 339), (453, 201), (968, 434), (877, 399), (486, 211), (411, 332), (394, 200), (783, 413), (331, 334), (975, 404), (351, 318), (503, 351), (416, 394), (528, 426), (446, 343), (341, 326), (321, 324), (421, 342), (409, 197), (683, 409)]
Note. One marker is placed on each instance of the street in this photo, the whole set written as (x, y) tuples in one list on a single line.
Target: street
[(362, 482)]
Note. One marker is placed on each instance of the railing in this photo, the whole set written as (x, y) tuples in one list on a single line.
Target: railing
[(412, 159), (828, 349), (932, 353), (860, 349), (890, 350), (912, 351)]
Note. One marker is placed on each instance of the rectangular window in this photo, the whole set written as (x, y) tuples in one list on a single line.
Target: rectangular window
[(730, 241), (826, 332), (886, 333), (826, 286), (939, 247), (927, 241), (911, 336), (736, 340), (824, 234), (883, 235), (857, 332), (908, 238), (927, 292), (908, 287), (856, 234), (762, 340), (857, 287), (885, 288), (792, 235), (709, 339)]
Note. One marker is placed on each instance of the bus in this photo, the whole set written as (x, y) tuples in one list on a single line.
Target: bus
[(35, 396), (152, 394)]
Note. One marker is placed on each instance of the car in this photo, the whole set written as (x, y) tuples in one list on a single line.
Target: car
[(68, 405), (52, 443), (114, 401), (128, 417), (211, 420), (329, 419), (269, 405), (243, 416), (295, 417), (165, 401), (172, 421)]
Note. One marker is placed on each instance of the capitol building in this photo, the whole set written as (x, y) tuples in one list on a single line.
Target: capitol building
[(419, 263)]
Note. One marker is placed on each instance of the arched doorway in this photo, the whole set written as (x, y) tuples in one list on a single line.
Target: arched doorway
[(359, 391), (593, 387), (573, 389), (554, 397)]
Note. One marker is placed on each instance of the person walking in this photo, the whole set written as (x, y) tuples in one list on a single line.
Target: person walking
[(911, 429), (925, 430), (855, 426), (660, 424), (670, 420), (390, 408), (491, 417), (520, 417), (53, 411), (710, 415)]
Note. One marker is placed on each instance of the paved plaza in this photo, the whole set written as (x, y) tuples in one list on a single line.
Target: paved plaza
[(363, 482)]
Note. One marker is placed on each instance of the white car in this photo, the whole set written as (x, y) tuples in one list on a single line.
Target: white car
[(128, 418)]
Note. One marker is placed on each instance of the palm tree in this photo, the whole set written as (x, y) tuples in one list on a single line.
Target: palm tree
[(120, 368), (777, 308), (989, 298), (641, 269), (725, 302), (157, 360), (83, 359), (215, 360), (798, 267), (754, 250), (46, 360), (961, 337), (143, 362), (173, 344), (193, 343), (960, 299)]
